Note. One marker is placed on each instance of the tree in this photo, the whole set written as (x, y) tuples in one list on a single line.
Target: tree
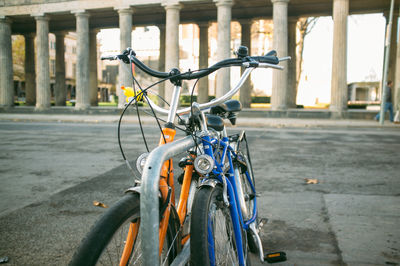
[(304, 26), (18, 55)]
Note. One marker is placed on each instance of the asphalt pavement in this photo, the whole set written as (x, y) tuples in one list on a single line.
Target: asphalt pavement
[(330, 188)]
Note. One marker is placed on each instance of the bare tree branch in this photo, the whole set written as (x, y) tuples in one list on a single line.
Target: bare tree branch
[(304, 26)]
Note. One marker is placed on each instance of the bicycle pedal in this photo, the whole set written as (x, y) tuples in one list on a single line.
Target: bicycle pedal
[(275, 257)]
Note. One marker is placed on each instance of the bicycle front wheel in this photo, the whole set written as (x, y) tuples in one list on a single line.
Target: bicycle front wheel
[(247, 195), (212, 240), (115, 239)]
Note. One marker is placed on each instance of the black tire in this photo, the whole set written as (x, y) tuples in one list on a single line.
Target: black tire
[(245, 168), (209, 209), (104, 243)]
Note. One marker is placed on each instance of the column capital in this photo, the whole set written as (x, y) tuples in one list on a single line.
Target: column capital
[(41, 16), (160, 26), (94, 31), (5, 19), (172, 5), (280, 1), (386, 14), (81, 13), (124, 10), (30, 35), (60, 33), (203, 24), (245, 21), (228, 3)]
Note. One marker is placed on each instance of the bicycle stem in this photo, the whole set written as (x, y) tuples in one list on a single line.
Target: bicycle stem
[(175, 99), (174, 104)]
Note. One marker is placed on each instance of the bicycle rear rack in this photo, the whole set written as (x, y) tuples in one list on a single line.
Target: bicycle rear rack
[(149, 204)]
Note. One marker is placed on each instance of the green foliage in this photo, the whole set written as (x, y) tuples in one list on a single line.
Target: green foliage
[(260, 99), (18, 54), (357, 106), (185, 99)]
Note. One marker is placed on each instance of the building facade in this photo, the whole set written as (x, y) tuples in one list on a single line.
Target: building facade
[(39, 18)]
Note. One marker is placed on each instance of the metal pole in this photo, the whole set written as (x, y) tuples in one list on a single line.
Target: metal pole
[(386, 64), (149, 205)]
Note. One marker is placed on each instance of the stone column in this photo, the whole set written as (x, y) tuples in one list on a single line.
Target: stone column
[(60, 91), (42, 59), (396, 87), (82, 60), (202, 94), (171, 42), (93, 68), (292, 71), (125, 37), (6, 64), (245, 90), (280, 43), (30, 84), (161, 62), (224, 16), (339, 58), (393, 48)]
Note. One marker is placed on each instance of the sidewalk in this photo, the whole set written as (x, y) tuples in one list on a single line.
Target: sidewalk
[(241, 120)]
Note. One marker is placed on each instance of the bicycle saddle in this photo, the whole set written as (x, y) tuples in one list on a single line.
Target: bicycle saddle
[(229, 106), (272, 53), (215, 122), (227, 109)]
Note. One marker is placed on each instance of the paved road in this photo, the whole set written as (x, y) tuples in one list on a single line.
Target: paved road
[(50, 173)]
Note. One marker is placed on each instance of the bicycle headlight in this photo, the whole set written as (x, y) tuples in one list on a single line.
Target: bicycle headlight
[(204, 164), (141, 161)]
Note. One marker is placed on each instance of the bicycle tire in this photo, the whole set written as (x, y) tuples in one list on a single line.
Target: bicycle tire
[(101, 243), (209, 211), (248, 192)]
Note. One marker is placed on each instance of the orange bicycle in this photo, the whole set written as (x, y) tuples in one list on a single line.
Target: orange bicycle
[(115, 239)]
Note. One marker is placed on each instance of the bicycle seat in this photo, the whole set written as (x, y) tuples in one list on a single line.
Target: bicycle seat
[(229, 106), (272, 53), (215, 122)]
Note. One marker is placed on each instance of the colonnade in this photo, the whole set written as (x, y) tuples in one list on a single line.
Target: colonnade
[(284, 42)]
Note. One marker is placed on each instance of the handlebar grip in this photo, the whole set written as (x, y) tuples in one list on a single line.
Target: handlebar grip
[(286, 58), (111, 57), (267, 59)]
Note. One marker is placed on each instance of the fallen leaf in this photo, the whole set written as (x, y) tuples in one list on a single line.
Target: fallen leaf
[(311, 181), (99, 204)]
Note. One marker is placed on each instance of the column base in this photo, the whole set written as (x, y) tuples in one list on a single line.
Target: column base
[(6, 107), (279, 108), (337, 112), (42, 107), (82, 106)]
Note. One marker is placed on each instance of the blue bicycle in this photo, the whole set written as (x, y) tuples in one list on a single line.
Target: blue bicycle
[(224, 219)]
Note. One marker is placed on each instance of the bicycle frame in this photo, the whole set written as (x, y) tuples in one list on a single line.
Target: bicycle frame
[(157, 176), (231, 188), (166, 188), (149, 205)]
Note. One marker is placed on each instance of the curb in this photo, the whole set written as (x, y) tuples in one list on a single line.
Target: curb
[(241, 121)]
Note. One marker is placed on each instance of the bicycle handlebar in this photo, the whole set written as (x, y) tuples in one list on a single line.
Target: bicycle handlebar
[(253, 61), (250, 62)]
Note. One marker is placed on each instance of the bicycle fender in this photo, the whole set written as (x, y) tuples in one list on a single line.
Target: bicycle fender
[(133, 189), (210, 183), (137, 190)]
